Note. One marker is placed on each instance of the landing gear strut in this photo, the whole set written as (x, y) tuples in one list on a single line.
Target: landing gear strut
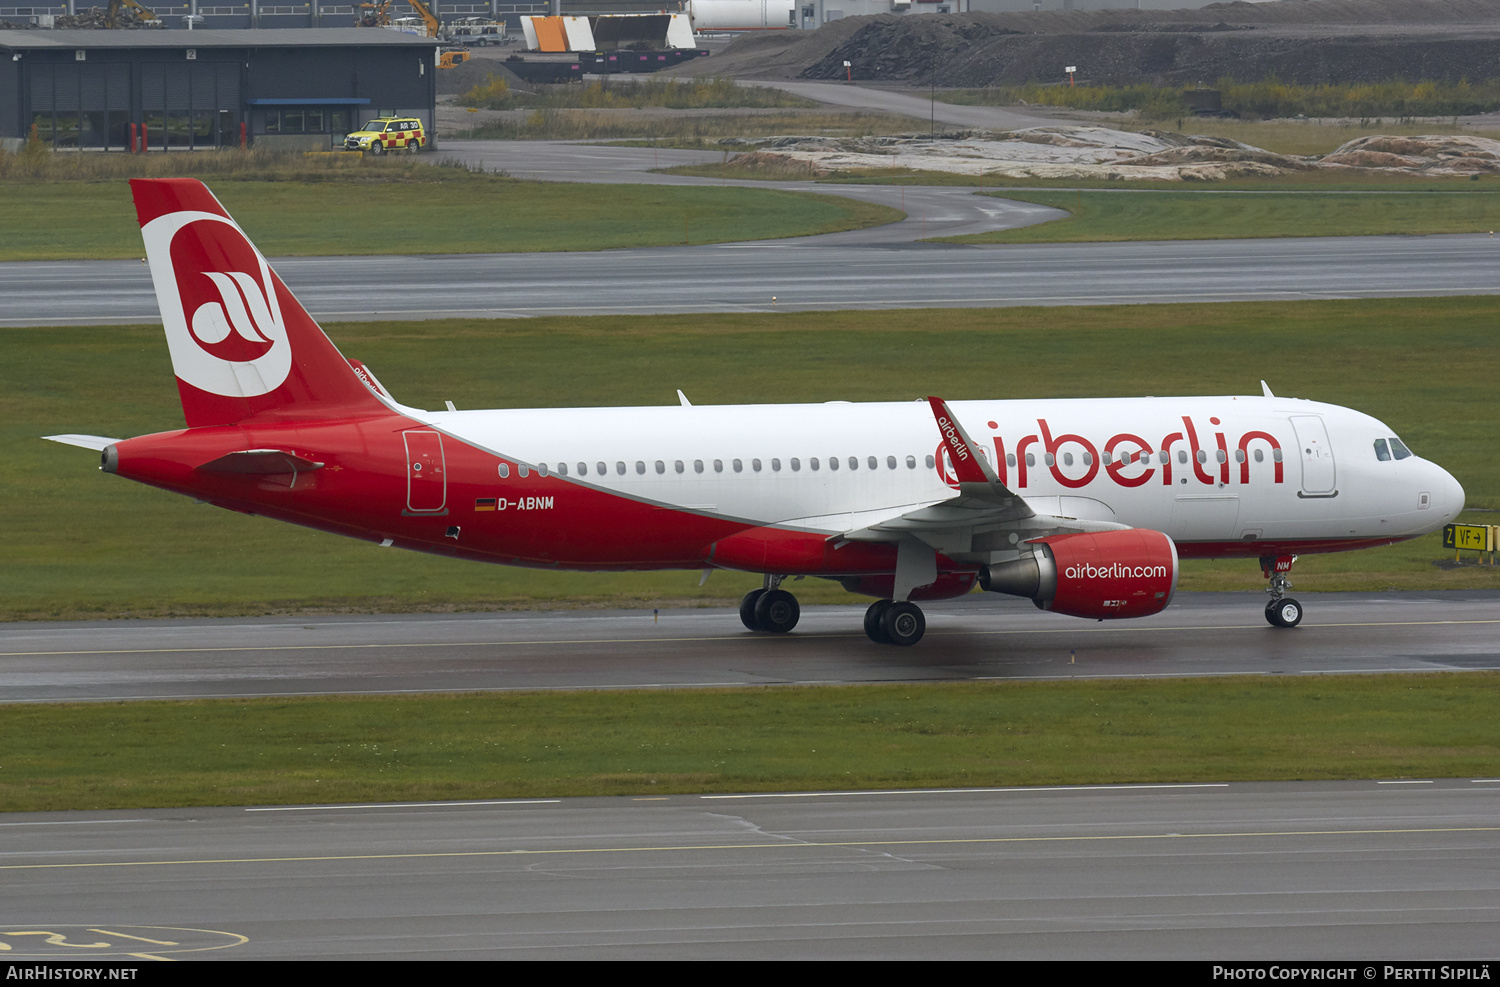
[(895, 623), (1281, 610), (770, 609)]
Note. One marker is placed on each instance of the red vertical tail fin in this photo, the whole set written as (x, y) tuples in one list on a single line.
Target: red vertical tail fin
[(242, 346)]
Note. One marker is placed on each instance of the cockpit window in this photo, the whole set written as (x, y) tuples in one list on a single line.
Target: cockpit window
[(1382, 451), (1398, 450)]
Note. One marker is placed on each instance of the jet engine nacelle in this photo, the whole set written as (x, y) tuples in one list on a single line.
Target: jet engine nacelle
[(1105, 574)]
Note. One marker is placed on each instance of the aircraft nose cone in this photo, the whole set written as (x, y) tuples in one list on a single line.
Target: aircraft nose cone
[(1453, 495)]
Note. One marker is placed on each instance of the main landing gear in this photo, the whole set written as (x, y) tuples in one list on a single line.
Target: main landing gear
[(1281, 610), (895, 623), (771, 609)]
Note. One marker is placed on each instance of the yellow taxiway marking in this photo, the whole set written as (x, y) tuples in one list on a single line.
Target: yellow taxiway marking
[(721, 637), (780, 845)]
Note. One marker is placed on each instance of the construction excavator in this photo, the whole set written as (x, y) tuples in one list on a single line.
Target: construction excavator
[(379, 15)]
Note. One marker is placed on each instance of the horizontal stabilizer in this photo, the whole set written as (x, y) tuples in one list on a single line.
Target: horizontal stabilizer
[(260, 462), (94, 442)]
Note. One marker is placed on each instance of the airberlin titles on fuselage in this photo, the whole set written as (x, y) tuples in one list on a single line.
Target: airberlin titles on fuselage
[(1138, 453)]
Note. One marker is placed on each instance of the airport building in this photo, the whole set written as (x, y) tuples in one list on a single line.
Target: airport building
[(299, 89)]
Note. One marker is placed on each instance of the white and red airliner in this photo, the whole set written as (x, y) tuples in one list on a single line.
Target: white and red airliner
[(1084, 506)]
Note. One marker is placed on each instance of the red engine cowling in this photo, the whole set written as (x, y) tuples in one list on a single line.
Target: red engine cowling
[(1105, 574)]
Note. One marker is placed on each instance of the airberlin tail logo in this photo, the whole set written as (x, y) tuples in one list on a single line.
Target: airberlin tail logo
[(230, 328), (219, 305)]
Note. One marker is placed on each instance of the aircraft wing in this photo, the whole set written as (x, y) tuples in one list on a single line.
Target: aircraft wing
[(982, 501), (984, 511)]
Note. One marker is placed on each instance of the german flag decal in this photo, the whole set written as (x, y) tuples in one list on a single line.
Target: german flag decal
[(484, 503)]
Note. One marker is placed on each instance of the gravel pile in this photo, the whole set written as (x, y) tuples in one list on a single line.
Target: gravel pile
[(1298, 41)]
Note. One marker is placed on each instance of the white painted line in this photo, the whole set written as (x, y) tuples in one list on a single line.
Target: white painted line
[(394, 805), (964, 791), (1403, 783)]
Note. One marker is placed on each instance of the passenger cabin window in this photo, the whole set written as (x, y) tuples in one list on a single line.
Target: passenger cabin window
[(521, 470), (640, 467), (890, 462), (739, 466), (813, 462), (697, 466), (661, 467), (718, 465), (504, 470), (541, 469), (796, 465), (911, 462), (620, 468), (603, 471), (931, 463)]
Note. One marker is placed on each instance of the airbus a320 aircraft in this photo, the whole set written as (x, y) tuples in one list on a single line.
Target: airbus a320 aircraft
[(1083, 506)]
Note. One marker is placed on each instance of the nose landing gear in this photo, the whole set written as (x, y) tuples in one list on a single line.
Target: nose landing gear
[(1281, 610)]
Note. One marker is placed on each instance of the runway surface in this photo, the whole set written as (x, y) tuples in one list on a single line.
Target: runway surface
[(801, 276), (1363, 871), (879, 268), (976, 638)]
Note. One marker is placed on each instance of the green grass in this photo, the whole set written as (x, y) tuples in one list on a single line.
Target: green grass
[(289, 751), (1198, 215), (468, 214), (1394, 99), (78, 543)]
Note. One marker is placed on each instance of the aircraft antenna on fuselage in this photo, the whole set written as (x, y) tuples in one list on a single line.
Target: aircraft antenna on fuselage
[(1266, 389)]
